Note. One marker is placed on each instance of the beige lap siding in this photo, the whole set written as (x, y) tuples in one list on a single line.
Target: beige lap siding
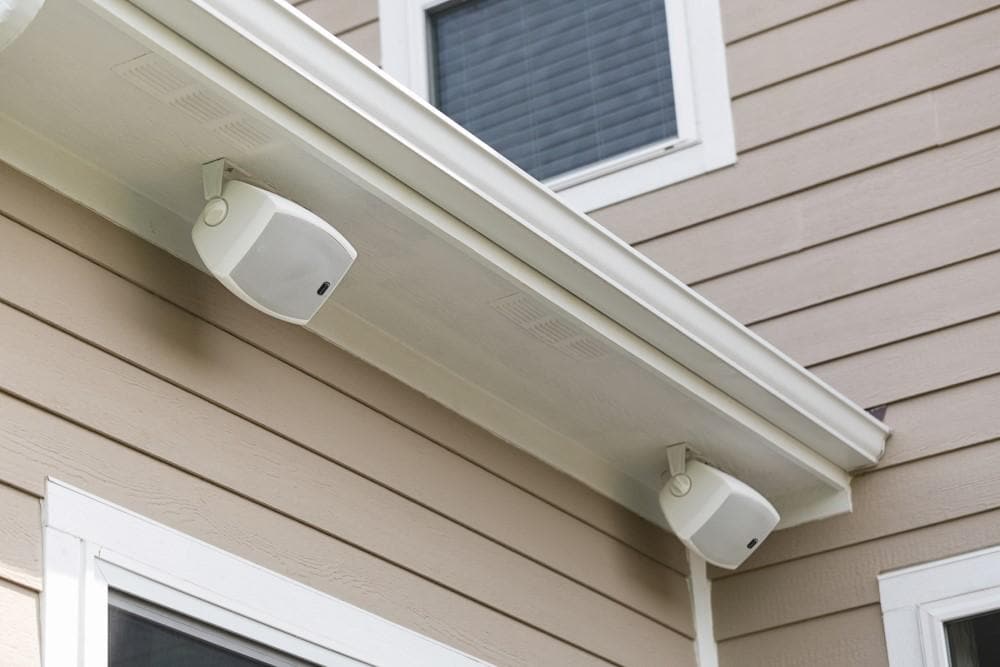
[(743, 19), (35, 443), (140, 379), (19, 632), (858, 233), (836, 34), (767, 174), (763, 296), (339, 16), (354, 21), (20, 574)]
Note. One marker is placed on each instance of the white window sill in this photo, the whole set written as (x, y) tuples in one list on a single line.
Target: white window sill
[(671, 165)]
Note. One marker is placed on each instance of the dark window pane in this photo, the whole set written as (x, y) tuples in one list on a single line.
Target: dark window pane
[(136, 641), (555, 85), (975, 641)]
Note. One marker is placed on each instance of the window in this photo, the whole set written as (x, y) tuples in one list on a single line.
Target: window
[(144, 635), (975, 641), (602, 100), (122, 591), (945, 613)]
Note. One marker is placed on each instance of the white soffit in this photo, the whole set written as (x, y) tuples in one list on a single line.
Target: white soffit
[(474, 283)]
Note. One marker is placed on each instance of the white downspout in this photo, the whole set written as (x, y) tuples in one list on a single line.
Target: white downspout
[(705, 649), (15, 15)]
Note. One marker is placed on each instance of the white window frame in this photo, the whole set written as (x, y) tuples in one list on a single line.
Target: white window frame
[(93, 549), (705, 138), (918, 601)]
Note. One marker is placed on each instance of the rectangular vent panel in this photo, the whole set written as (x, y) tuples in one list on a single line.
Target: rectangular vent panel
[(155, 76), (541, 324), (201, 106), (244, 134)]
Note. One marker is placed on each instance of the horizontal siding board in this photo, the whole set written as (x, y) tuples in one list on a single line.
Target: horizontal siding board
[(366, 40), (912, 66), (849, 205), (741, 18), (860, 262), (338, 16), (895, 500), (157, 272), (850, 638), (877, 317), (20, 642), (826, 154), (211, 363), (834, 35), (779, 169), (918, 365), (838, 580), (35, 444), (943, 421), (110, 396), (968, 106), (20, 538)]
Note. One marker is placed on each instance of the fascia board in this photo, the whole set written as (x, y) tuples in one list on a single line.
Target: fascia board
[(324, 81)]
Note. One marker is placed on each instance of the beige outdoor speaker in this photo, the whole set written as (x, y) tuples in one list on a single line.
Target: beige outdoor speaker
[(271, 252), (716, 515)]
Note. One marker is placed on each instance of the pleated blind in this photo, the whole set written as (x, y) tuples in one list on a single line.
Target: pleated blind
[(555, 85)]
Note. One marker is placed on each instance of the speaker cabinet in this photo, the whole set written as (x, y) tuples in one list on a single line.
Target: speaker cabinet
[(271, 252)]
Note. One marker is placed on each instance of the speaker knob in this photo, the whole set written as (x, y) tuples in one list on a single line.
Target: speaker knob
[(679, 485), (215, 211)]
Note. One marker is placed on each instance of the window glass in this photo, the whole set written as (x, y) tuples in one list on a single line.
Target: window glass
[(975, 641), (555, 85), (142, 635)]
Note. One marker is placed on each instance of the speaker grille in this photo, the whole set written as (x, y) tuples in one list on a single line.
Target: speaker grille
[(733, 525), (285, 269)]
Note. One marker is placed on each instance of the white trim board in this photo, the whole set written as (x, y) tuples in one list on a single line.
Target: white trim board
[(91, 546), (705, 140), (917, 601)]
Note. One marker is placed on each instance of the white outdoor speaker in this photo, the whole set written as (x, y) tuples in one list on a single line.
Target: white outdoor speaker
[(271, 252), (716, 515)]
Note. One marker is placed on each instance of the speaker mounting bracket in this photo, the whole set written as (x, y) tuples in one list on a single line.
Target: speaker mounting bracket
[(214, 175), (677, 459)]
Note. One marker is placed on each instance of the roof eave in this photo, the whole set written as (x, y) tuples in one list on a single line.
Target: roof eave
[(396, 146), (262, 40)]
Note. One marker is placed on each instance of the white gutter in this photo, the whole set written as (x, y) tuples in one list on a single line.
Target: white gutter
[(15, 15), (316, 75)]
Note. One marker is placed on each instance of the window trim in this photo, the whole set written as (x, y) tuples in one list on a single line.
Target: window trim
[(92, 548), (704, 139), (917, 602)]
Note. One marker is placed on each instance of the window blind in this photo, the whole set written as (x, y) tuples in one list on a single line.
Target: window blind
[(555, 85)]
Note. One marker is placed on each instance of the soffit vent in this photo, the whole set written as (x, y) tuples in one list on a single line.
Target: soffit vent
[(153, 75), (533, 317)]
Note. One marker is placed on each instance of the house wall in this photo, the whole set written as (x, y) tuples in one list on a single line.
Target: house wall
[(135, 377), (353, 21), (858, 233)]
